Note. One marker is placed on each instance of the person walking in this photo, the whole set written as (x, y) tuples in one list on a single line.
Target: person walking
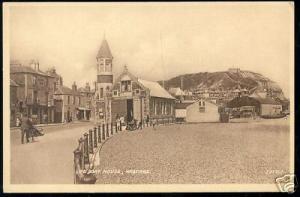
[(31, 130), (24, 128)]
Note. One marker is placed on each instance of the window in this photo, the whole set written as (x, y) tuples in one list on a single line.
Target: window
[(79, 100), (101, 92), (201, 106), (68, 99), (74, 99), (107, 68), (115, 92), (101, 67), (137, 91), (126, 86), (34, 80)]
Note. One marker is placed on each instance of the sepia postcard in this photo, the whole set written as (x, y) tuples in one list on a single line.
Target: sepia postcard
[(148, 97)]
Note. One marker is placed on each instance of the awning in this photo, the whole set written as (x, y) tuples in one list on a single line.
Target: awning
[(83, 108)]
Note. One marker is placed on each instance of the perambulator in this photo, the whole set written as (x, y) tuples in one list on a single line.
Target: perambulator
[(132, 125), (36, 132)]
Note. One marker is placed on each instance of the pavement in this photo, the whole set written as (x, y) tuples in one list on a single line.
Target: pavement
[(49, 160)]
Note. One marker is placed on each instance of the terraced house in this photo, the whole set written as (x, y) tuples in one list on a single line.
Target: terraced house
[(35, 90), (70, 104)]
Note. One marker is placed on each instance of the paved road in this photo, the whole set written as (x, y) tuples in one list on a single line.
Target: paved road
[(50, 159), (256, 152)]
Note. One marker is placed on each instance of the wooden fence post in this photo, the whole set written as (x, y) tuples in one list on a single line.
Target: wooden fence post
[(91, 141), (111, 128), (86, 149), (95, 137), (99, 133), (107, 130), (103, 131)]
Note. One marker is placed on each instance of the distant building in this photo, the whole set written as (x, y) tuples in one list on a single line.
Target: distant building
[(258, 105), (135, 98), (87, 112), (35, 91), (198, 111), (71, 105), (13, 102), (177, 93), (234, 70)]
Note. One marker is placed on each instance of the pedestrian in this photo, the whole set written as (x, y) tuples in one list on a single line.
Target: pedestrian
[(31, 129), (122, 123), (118, 122), (153, 123), (147, 120), (18, 122), (24, 128)]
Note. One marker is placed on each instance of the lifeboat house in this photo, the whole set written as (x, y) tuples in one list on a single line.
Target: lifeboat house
[(134, 98)]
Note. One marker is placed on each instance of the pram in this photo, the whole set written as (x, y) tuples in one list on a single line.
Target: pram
[(36, 132), (132, 125)]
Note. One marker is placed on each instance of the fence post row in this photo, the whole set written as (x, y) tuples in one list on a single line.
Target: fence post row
[(95, 137)]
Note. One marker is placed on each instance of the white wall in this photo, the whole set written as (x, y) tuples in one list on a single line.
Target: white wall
[(270, 109), (211, 113), (180, 113)]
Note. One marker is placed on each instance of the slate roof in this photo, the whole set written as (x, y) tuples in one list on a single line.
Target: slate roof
[(267, 100), (66, 90), (26, 69), (104, 51), (182, 105), (155, 89)]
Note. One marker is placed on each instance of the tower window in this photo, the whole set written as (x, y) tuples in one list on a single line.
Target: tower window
[(126, 86), (101, 67)]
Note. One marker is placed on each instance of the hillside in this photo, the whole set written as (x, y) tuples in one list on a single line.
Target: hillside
[(224, 80)]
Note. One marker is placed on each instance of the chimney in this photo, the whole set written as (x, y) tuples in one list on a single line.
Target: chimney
[(74, 86), (38, 65)]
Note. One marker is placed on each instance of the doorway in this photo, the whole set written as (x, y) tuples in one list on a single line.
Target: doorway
[(129, 110)]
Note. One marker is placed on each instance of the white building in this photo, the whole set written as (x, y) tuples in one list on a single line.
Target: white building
[(198, 111)]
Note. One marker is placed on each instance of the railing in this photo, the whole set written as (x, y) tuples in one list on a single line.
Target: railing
[(90, 144)]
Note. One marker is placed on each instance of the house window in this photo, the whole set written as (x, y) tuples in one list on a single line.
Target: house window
[(126, 86), (34, 80), (101, 92), (137, 91), (201, 106), (115, 92)]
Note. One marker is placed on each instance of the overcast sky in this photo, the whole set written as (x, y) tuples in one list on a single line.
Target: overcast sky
[(195, 37)]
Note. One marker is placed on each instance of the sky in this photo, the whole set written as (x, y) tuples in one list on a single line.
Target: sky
[(157, 41)]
